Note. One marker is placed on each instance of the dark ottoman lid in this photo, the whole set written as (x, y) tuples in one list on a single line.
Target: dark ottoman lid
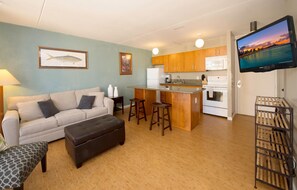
[(90, 129)]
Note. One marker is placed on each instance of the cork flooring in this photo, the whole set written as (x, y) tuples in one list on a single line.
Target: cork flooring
[(217, 154)]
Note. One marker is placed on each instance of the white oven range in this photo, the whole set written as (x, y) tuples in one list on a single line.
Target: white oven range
[(215, 96)]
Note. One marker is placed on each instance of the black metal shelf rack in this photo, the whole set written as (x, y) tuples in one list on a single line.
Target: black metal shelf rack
[(274, 162)]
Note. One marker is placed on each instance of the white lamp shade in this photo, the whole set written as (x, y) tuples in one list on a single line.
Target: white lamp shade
[(6, 78), (199, 43), (155, 51)]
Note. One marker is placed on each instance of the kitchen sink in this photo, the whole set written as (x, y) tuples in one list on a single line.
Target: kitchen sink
[(179, 82)]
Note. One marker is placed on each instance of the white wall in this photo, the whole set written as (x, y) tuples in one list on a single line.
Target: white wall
[(290, 80), (231, 74), (190, 46)]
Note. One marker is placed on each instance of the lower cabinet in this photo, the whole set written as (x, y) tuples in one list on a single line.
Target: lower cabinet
[(166, 97)]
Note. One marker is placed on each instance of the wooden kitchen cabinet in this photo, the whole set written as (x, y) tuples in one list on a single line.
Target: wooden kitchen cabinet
[(192, 61), (148, 95), (199, 61), (180, 62), (175, 63), (170, 66), (165, 97), (158, 60), (217, 51), (189, 61)]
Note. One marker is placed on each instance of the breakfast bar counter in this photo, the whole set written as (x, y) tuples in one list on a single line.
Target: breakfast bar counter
[(185, 110), (168, 88)]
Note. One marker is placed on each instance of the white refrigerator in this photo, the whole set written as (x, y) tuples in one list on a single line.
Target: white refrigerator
[(155, 76)]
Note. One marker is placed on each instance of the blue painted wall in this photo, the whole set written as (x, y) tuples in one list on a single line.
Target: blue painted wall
[(19, 54)]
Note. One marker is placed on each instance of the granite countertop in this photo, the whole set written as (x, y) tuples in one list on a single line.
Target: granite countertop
[(184, 82), (180, 84), (170, 89)]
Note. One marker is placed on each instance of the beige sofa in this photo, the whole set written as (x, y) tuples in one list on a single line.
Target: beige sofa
[(24, 122)]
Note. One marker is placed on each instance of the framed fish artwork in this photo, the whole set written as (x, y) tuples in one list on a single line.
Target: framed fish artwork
[(62, 58), (125, 63)]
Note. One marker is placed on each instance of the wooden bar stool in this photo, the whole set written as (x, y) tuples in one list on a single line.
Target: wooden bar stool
[(156, 109), (138, 105)]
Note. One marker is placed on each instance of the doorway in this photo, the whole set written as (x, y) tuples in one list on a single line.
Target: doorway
[(250, 86)]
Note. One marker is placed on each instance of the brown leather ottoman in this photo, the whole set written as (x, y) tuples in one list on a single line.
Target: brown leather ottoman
[(87, 139)]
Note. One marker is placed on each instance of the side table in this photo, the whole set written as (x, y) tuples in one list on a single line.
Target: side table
[(118, 100)]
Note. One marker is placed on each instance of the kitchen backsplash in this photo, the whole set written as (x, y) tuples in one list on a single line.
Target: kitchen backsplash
[(197, 75)]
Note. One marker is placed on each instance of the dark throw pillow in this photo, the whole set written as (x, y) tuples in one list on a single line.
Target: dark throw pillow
[(48, 108), (86, 102)]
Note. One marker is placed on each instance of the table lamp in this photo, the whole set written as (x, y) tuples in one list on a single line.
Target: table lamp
[(5, 79)]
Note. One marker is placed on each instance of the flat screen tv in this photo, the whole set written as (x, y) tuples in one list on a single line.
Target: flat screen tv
[(269, 48)]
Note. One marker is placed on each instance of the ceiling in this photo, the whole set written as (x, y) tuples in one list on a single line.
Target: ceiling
[(143, 23)]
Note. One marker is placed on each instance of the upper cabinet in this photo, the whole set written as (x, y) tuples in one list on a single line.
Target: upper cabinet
[(217, 51), (158, 60), (175, 63), (191, 61), (199, 61)]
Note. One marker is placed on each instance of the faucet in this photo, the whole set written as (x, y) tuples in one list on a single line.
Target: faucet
[(179, 80)]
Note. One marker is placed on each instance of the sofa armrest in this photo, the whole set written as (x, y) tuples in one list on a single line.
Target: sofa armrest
[(11, 127), (109, 104)]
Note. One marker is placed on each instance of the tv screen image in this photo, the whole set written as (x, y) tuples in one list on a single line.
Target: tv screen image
[(269, 48)]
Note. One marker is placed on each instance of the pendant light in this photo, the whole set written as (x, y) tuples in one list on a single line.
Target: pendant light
[(199, 43), (155, 51)]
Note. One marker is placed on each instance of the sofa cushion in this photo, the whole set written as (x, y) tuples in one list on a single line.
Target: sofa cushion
[(64, 100), (38, 125), (96, 111), (29, 111), (3, 145), (86, 102), (70, 116), (48, 108), (99, 98), (12, 101), (80, 93)]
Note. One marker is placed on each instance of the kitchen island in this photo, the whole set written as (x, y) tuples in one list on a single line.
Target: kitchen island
[(185, 111)]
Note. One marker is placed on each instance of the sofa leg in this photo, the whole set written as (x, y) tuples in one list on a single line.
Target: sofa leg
[(78, 165), (122, 143), (43, 164), (19, 188)]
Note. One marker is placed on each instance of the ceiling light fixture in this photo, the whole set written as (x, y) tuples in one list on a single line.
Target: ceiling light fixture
[(199, 43), (155, 51)]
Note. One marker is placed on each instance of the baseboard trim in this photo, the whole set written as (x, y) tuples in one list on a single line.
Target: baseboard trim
[(231, 118)]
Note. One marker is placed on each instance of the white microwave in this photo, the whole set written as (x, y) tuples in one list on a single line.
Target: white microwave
[(216, 63)]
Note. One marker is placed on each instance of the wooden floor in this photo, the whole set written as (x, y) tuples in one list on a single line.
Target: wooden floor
[(217, 154)]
